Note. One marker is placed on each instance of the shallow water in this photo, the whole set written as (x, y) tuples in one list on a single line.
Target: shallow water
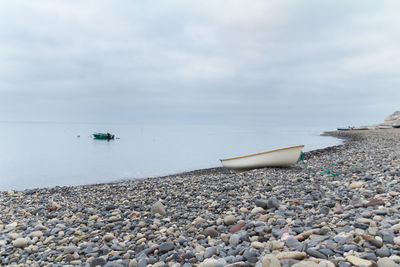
[(51, 154)]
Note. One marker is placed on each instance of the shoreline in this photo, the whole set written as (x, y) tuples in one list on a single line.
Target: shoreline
[(201, 171), (222, 170), (213, 217), (125, 160)]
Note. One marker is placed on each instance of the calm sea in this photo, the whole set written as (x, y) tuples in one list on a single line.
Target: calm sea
[(36, 154)]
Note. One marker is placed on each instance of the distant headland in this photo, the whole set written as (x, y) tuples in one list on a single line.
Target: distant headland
[(393, 119)]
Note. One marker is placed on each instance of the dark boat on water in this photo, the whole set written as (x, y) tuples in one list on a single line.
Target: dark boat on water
[(396, 126), (103, 136), (344, 129)]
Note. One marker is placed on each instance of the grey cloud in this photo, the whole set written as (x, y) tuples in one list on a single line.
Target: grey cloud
[(88, 60)]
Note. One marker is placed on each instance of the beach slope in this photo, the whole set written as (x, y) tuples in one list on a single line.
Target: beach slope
[(339, 209)]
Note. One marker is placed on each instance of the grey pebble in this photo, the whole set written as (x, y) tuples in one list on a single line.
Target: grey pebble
[(315, 253), (234, 240), (383, 252), (273, 203), (292, 242), (211, 251), (165, 247), (369, 256), (98, 261), (263, 203)]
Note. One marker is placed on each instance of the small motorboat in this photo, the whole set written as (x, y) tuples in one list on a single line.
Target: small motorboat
[(103, 136), (396, 125), (281, 157)]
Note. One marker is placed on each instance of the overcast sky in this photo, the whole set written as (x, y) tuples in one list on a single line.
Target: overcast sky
[(207, 61)]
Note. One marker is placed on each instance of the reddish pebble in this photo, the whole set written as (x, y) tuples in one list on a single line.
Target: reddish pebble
[(374, 202), (152, 249), (193, 260), (337, 209), (236, 228), (300, 238), (51, 208), (394, 193)]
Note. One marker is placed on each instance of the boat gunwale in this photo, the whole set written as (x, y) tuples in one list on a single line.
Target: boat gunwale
[(259, 153)]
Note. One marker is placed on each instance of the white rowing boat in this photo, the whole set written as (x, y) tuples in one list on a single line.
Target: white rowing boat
[(281, 157), (384, 127)]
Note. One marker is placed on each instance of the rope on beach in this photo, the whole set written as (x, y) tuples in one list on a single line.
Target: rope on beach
[(330, 172)]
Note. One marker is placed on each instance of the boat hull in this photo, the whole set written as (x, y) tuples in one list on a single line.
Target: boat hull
[(282, 157), (384, 127), (103, 136)]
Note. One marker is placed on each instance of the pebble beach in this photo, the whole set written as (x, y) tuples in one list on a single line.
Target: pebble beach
[(340, 207)]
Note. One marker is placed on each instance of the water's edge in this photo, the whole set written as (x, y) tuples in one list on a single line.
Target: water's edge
[(66, 155), (203, 171)]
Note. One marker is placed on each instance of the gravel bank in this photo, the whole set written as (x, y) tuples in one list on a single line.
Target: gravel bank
[(263, 217)]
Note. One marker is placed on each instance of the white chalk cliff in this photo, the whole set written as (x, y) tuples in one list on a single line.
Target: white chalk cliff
[(393, 119)]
